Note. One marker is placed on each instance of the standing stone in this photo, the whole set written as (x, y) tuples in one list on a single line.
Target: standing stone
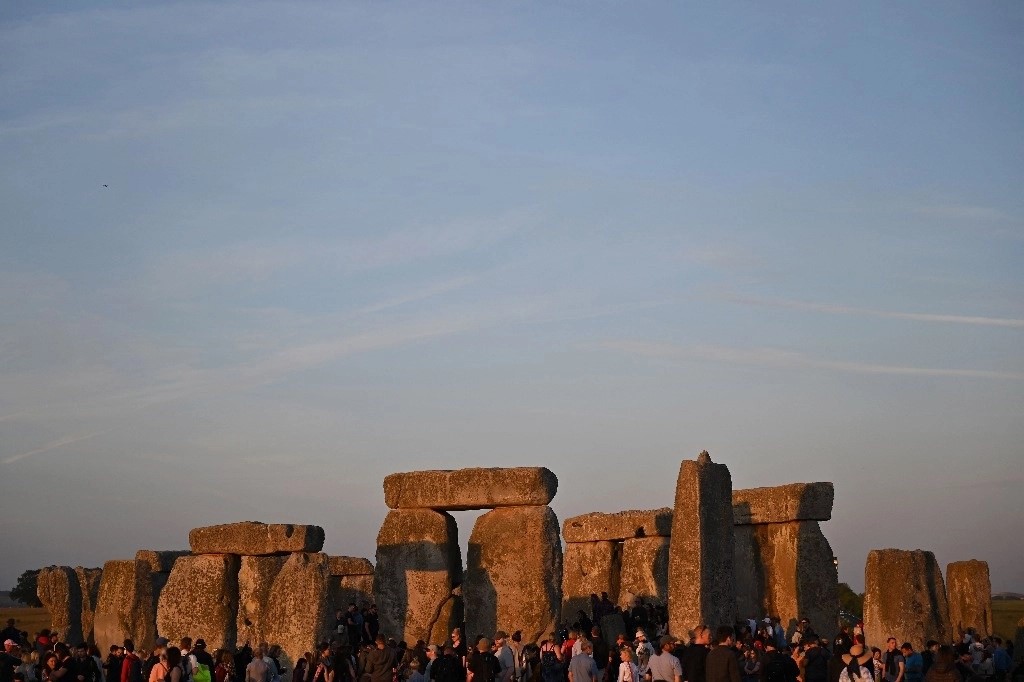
[(618, 526), (201, 600), (463, 489), (904, 597), (253, 538), (350, 589), (644, 571), (256, 576), (783, 503), (350, 565), (418, 565), (59, 590), (160, 561), (788, 572), (514, 576), (969, 593), (701, 586), (588, 568), (296, 607), (126, 603), (89, 587)]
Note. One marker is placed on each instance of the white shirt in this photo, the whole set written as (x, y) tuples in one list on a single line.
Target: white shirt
[(628, 672)]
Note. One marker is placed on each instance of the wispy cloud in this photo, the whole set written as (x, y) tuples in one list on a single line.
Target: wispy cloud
[(53, 445), (776, 358), (838, 309)]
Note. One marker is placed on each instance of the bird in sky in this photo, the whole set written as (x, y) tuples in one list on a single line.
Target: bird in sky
[(106, 185)]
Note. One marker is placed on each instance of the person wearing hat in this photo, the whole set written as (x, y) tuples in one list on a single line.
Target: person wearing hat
[(664, 666), (855, 662), (202, 656), (644, 650)]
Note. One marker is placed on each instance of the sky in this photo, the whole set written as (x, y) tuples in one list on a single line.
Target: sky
[(256, 256)]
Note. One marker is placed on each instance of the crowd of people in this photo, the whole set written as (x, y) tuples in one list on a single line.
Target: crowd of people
[(750, 651)]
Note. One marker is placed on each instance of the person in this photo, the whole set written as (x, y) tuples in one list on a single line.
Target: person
[(29, 665), (628, 672), (506, 659), (856, 661), (158, 670), (721, 665), (695, 657), (379, 664), (582, 667), (258, 670), (664, 666), (816, 662), (751, 665), (644, 651), (943, 668), (1002, 661), (414, 674), (931, 648), (201, 656), (175, 665), (10, 658), (550, 660), (778, 665), (324, 671), (893, 663), (51, 664), (913, 664), (112, 664), (131, 664), (484, 666), (224, 671)]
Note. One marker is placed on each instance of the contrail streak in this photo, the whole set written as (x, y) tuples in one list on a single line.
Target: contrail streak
[(53, 445)]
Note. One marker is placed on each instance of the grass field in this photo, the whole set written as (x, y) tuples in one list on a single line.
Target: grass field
[(1005, 615), (29, 620)]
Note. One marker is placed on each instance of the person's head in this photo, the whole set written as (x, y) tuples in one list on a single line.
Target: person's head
[(62, 650), (456, 634), (932, 645), (641, 635), (433, 651), (876, 653), (173, 657), (226, 659), (890, 644), (483, 645), (499, 638), (10, 645), (185, 644), (702, 635), (667, 643), (625, 654), (906, 648), (380, 641), (724, 635), (51, 661), (586, 647)]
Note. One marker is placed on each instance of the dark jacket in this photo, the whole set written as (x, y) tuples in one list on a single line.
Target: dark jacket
[(694, 661), (721, 665), (379, 665)]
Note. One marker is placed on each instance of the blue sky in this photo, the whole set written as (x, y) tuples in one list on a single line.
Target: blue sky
[(341, 240)]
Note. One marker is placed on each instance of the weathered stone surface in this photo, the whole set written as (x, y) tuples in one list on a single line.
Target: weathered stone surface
[(782, 503), (418, 564), (612, 626), (126, 603), (89, 587), (256, 576), (619, 526), (350, 565), (296, 608), (969, 593), (644, 571), (701, 587), (788, 571), (904, 597), (160, 561), (461, 489), (514, 575), (253, 538), (59, 590), (350, 589), (588, 568), (201, 600)]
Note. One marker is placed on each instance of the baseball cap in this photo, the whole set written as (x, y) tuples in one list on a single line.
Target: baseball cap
[(10, 642)]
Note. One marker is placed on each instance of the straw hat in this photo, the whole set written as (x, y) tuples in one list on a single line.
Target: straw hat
[(857, 651)]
